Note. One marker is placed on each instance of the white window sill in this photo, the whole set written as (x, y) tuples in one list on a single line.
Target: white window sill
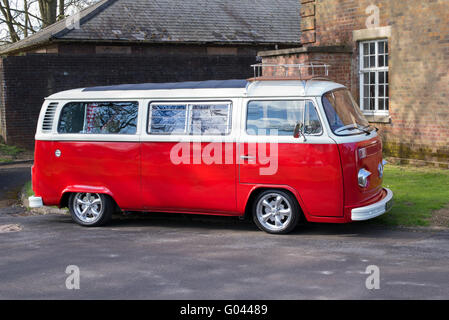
[(378, 117)]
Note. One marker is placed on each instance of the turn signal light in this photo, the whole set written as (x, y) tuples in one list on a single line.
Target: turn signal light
[(362, 153)]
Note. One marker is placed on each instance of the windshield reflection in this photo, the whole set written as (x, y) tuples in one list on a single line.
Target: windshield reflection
[(343, 113)]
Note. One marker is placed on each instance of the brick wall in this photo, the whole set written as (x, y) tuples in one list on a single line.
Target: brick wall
[(419, 64), (27, 80)]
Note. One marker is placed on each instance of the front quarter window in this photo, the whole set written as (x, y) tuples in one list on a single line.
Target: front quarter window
[(343, 113)]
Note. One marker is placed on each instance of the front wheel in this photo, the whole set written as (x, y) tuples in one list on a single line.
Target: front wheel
[(276, 211), (90, 209)]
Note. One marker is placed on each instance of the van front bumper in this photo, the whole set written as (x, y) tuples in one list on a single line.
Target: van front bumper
[(375, 209)]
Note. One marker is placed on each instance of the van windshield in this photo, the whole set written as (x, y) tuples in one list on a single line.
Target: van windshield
[(343, 114)]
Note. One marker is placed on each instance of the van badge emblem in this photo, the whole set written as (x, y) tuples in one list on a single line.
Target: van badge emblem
[(380, 168)]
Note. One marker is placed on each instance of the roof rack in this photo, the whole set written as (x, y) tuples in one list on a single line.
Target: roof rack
[(313, 70)]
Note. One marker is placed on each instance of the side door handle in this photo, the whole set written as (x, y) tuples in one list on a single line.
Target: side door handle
[(247, 157)]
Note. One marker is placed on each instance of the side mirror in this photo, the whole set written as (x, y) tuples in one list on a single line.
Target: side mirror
[(299, 131)]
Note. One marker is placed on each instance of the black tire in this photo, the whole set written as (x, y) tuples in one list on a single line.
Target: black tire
[(104, 215), (287, 199)]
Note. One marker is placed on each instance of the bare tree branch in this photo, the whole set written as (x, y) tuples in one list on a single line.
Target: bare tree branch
[(20, 18)]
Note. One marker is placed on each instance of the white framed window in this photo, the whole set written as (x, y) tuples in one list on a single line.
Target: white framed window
[(112, 117), (196, 118), (374, 89), (264, 116)]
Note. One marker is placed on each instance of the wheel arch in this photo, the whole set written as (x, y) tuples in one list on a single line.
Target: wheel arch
[(261, 188), (65, 194)]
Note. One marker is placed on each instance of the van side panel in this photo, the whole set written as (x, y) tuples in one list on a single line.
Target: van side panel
[(192, 185), (86, 166)]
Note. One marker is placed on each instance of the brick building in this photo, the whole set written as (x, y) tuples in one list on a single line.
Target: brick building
[(394, 56), (134, 41)]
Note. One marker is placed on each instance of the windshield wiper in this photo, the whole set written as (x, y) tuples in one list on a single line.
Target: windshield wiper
[(370, 126), (351, 127), (365, 129)]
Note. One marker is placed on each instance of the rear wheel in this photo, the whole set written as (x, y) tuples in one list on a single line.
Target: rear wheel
[(276, 211), (91, 209)]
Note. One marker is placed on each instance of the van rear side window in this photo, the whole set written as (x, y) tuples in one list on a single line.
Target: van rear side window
[(99, 118)]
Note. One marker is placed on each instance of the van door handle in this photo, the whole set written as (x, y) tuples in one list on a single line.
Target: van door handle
[(247, 157)]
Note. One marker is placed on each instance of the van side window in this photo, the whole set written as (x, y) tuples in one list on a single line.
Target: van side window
[(209, 119), (99, 118), (280, 117), (167, 119), (192, 119)]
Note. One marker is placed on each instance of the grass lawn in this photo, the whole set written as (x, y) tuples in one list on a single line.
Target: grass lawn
[(29, 189), (9, 153), (418, 192)]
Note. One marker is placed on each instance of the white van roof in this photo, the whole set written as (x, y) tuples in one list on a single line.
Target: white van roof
[(202, 89)]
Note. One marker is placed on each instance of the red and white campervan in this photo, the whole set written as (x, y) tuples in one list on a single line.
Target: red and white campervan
[(275, 150)]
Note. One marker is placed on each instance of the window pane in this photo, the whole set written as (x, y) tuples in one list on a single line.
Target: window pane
[(365, 49), (99, 118), (366, 91), (168, 119), (280, 117), (372, 61), (210, 119), (372, 48), (381, 104), (372, 104), (381, 61), (387, 104), (366, 62), (312, 124), (343, 113), (381, 77), (372, 91), (386, 61), (72, 118), (381, 91), (366, 78), (381, 47), (112, 117), (366, 103)]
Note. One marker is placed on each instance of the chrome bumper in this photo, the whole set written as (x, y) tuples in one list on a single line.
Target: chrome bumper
[(35, 202), (373, 210)]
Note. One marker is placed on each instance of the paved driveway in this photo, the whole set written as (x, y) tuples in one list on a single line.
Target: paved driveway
[(179, 257)]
